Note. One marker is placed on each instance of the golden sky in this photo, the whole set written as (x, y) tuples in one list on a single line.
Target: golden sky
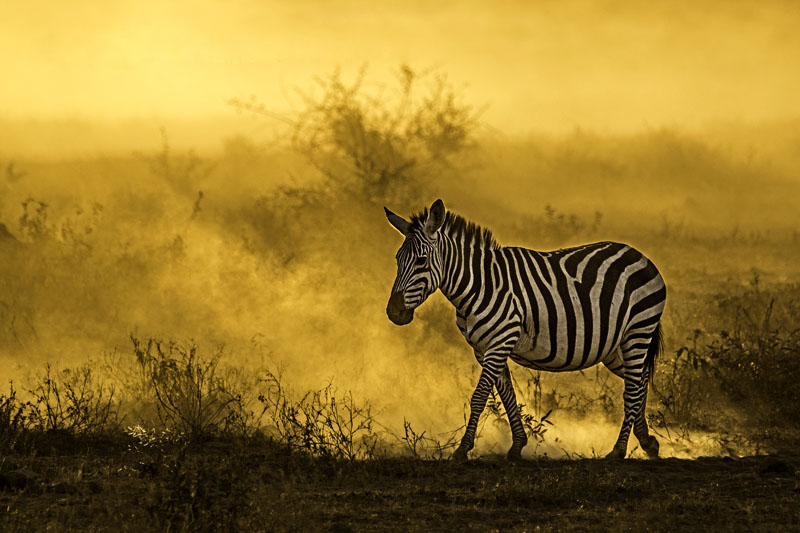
[(537, 65)]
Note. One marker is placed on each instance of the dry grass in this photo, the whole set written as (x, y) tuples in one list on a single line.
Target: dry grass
[(256, 486)]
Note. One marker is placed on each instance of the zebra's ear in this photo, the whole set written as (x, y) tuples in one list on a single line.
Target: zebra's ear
[(435, 218), (400, 224)]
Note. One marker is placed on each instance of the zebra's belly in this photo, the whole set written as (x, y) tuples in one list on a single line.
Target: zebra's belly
[(539, 352), (535, 355), (539, 361)]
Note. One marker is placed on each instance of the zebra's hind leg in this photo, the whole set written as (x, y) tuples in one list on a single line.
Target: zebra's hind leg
[(505, 388), (632, 389), (635, 355), (635, 397), (648, 442)]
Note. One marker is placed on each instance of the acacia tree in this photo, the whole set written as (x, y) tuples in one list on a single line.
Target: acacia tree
[(382, 145)]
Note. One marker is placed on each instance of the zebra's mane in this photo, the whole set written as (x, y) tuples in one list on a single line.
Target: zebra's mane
[(459, 227)]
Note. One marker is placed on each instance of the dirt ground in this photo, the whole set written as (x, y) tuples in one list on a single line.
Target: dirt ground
[(221, 488)]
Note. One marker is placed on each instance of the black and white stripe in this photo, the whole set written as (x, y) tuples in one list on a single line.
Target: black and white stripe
[(557, 311)]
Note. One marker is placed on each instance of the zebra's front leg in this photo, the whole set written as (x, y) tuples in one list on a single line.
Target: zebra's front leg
[(493, 364), (505, 388)]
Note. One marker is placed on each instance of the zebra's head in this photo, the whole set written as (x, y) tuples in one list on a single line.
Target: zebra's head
[(419, 262)]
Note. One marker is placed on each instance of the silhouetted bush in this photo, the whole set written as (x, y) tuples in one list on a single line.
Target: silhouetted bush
[(322, 422), (381, 147), (73, 400), (14, 420), (423, 445), (192, 393)]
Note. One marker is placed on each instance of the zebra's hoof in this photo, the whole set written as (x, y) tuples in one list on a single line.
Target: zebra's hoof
[(514, 454), (615, 455), (460, 455), (651, 448)]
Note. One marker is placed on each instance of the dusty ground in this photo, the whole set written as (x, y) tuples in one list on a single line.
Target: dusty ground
[(223, 487)]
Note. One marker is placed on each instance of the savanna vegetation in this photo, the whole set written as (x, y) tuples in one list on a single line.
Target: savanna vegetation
[(197, 341)]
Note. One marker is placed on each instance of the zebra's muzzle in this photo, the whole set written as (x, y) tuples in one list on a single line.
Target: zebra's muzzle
[(396, 310)]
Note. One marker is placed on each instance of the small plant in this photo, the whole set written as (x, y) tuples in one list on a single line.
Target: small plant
[(600, 396), (72, 400), (758, 369), (14, 419), (193, 395), (320, 422), (427, 447), (535, 427), (679, 389)]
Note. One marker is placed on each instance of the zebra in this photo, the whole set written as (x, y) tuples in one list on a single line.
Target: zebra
[(557, 311)]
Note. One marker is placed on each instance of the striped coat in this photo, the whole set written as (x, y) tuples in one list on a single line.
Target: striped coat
[(556, 311)]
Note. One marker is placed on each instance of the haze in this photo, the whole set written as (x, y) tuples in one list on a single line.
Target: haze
[(544, 66)]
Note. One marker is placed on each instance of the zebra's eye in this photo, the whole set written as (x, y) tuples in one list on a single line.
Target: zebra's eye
[(421, 260)]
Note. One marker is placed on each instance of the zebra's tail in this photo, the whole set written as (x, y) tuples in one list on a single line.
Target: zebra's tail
[(654, 350)]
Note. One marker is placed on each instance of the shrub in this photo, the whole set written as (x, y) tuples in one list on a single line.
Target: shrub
[(426, 447), (193, 393), (320, 422), (379, 146), (685, 387), (72, 400), (758, 371), (14, 419)]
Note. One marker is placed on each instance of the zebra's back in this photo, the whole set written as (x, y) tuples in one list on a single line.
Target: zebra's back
[(579, 304)]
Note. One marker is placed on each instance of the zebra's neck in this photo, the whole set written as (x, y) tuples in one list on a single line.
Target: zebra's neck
[(465, 264)]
